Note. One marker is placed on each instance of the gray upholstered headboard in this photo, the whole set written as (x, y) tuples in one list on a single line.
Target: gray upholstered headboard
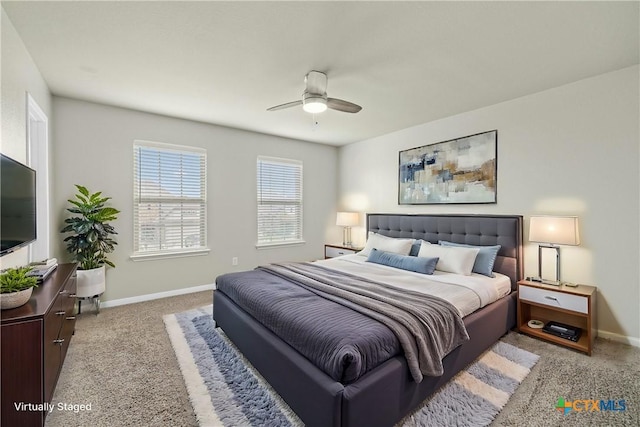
[(484, 230)]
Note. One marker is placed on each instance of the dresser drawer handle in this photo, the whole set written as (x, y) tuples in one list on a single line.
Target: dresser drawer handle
[(60, 313), (71, 318), (65, 292), (59, 341), (551, 298)]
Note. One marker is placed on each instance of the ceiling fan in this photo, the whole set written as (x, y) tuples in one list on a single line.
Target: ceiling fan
[(314, 98)]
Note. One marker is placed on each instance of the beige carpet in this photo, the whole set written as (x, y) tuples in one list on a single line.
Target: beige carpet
[(122, 363)]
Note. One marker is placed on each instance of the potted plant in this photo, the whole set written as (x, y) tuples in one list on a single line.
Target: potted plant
[(16, 287), (90, 241)]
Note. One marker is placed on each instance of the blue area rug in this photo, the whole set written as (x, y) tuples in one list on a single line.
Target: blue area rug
[(225, 390)]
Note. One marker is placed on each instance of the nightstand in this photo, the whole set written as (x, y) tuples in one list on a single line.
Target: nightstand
[(332, 251), (573, 306)]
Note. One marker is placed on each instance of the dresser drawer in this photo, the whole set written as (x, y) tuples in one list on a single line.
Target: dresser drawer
[(34, 339), (554, 299)]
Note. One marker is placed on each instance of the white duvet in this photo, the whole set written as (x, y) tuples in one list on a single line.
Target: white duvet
[(466, 293)]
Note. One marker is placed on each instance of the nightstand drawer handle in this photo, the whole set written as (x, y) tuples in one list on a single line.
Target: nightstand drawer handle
[(71, 318), (60, 313), (59, 341), (551, 298)]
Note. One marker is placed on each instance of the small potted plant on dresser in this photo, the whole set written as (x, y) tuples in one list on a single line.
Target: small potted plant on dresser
[(90, 241), (16, 287)]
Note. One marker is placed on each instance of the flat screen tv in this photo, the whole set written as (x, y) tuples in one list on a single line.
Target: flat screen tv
[(17, 205)]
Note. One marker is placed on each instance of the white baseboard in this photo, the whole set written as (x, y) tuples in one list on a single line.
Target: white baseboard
[(619, 338), (150, 297)]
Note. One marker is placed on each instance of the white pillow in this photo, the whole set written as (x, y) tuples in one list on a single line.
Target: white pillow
[(452, 259), (387, 244)]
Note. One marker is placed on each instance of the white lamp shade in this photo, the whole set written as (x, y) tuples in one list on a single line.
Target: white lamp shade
[(347, 219), (559, 230)]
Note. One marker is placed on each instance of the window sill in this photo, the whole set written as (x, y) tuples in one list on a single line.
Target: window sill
[(165, 255), (279, 244)]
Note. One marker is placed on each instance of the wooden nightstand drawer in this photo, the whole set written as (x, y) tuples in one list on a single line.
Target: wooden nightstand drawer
[(555, 299), (331, 251)]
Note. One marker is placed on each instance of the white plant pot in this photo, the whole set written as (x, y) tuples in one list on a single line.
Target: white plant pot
[(91, 282), (15, 299)]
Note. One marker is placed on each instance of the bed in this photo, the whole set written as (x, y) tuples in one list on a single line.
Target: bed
[(385, 394)]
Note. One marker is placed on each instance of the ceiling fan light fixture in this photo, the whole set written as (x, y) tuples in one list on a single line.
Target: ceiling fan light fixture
[(314, 98), (314, 104)]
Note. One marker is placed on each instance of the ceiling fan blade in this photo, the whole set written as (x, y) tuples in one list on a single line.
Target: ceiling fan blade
[(344, 106), (283, 106), (316, 82)]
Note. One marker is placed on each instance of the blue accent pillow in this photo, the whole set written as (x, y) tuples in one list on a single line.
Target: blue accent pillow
[(415, 248), (404, 262), (485, 259)]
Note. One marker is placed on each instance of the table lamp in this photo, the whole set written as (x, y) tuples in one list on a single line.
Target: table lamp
[(347, 220), (550, 231)]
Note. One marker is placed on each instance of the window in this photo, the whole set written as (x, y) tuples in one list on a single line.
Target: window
[(169, 200), (279, 201)]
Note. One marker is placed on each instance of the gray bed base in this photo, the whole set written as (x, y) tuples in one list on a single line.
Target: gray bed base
[(386, 394)]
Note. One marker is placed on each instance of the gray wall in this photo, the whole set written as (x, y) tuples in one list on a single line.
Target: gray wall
[(572, 150), (94, 148), (19, 76)]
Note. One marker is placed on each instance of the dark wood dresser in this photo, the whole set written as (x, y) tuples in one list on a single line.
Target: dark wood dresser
[(34, 341)]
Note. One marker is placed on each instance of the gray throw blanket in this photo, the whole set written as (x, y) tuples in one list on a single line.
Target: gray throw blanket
[(427, 327)]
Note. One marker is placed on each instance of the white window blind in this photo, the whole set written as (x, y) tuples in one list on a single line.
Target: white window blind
[(169, 198), (279, 201)]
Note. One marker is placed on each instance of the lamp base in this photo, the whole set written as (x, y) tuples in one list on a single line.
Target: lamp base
[(557, 282), (551, 282), (346, 237), (545, 282)]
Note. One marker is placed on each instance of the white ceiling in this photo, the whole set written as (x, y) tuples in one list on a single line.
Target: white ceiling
[(405, 63)]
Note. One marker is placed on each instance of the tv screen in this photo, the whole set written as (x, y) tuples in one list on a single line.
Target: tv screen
[(17, 205)]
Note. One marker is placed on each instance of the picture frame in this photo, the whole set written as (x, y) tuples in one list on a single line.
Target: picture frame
[(457, 171)]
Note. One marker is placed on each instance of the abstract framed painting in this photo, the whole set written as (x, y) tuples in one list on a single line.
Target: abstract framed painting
[(462, 170)]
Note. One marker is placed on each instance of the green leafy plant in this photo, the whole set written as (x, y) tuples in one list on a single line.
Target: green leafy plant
[(91, 239), (16, 280)]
